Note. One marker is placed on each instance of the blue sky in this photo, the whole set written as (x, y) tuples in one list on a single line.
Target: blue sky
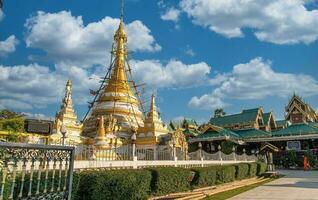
[(197, 55)]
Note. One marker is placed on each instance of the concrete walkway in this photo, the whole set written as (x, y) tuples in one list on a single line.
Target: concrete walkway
[(296, 185)]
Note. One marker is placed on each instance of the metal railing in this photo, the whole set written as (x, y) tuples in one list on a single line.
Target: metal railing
[(33, 171), (125, 153)]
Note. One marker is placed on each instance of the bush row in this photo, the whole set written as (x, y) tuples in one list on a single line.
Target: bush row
[(142, 183), (137, 184)]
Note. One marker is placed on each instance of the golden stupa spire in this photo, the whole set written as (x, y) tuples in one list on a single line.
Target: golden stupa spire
[(66, 109), (154, 127), (117, 98), (153, 110), (67, 116)]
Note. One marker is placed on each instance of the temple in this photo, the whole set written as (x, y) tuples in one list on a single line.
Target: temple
[(298, 111), (254, 128), (66, 118), (153, 131), (117, 98)]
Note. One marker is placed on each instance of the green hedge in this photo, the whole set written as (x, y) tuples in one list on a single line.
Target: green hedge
[(204, 176), (242, 171), (252, 170), (169, 180), (261, 168), (143, 183), (113, 184)]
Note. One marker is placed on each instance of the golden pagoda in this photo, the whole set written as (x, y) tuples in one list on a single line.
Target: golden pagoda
[(117, 98), (154, 129), (67, 119)]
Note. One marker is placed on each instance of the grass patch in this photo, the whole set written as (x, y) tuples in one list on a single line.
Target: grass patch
[(234, 192)]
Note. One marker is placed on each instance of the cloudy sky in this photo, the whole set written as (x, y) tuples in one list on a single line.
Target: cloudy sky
[(196, 55)]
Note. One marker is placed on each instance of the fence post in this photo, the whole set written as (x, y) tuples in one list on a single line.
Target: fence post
[(233, 153), (155, 153), (256, 155), (134, 157), (175, 158), (71, 169), (220, 153), (244, 155), (200, 153)]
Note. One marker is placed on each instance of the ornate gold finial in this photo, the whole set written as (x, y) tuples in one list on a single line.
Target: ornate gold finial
[(69, 83), (68, 88), (152, 104), (122, 11)]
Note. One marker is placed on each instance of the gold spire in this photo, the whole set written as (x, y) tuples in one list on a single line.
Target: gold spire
[(154, 127), (118, 97), (153, 105), (67, 116), (153, 114)]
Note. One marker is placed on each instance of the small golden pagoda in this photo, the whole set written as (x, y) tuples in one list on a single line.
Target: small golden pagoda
[(117, 98), (153, 129), (67, 119)]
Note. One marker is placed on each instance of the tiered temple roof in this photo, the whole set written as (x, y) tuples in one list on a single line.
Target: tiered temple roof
[(297, 111)]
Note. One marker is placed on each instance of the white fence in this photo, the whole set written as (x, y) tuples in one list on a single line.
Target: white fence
[(131, 157), (135, 164)]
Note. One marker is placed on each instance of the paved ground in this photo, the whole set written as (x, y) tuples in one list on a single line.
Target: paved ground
[(296, 185)]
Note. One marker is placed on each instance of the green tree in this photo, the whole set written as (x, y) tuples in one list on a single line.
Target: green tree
[(291, 158), (13, 123), (219, 112)]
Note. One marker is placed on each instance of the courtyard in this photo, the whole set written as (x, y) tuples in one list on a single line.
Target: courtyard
[(296, 184)]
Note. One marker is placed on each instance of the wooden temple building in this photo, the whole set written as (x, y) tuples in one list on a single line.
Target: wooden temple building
[(252, 128)]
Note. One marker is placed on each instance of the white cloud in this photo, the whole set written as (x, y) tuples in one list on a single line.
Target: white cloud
[(189, 51), (276, 21), (66, 39), (171, 14), (35, 86), (8, 46), (174, 74), (14, 104), (37, 116), (46, 87), (255, 80)]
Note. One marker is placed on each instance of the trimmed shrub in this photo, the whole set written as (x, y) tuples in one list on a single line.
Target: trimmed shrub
[(242, 171), (204, 176), (116, 184), (252, 169), (261, 168), (225, 174), (75, 185), (170, 180)]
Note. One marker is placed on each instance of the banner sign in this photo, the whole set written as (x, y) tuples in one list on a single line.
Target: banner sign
[(293, 145)]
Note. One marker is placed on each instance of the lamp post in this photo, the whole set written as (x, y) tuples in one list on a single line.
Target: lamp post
[(63, 132)]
